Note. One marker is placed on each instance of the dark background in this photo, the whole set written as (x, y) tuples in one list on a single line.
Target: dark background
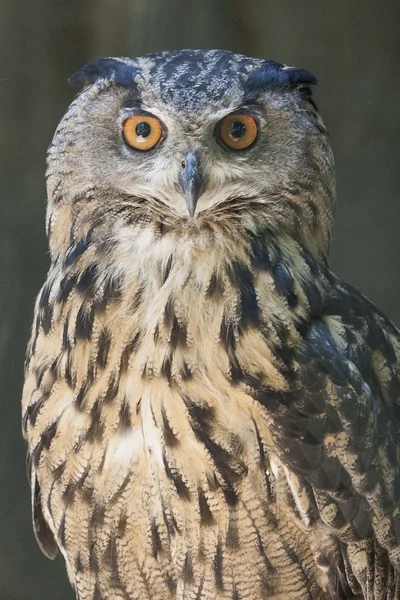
[(353, 47)]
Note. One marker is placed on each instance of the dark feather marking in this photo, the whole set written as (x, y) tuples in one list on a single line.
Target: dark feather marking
[(65, 340), (155, 539), (261, 549), (45, 308), (84, 323), (239, 274), (121, 529), (231, 495), (78, 563), (242, 278), (215, 287), (111, 559), (127, 351), (59, 471), (235, 370), (206, 516), (98, 515), (103, 348), (166, 270), (260, 258), (33, 410), (185, 372), (171, 583), (76, 250), (232, 535), (117, 495), (253, 380), (228, 341), (160, 228), (178, 334), (137, 299), (87, 281), (250, 311), (49, 434), (166, 368), (322, 346), (61, 530), (201, 416), (314, 210), (169, 313), (125, 421), (169, 524), (69, 373), (314, 297), (46, 318), (201, 419), (96, 428), (170, 438), (37, 451), (187, 570), (200, 590), (222, 459), (45, 295), (112, 389), (218, 567), (67, 284), (69, 493), (283, 279), (180, 486), (236, 595), (93, 562), (81, 395)]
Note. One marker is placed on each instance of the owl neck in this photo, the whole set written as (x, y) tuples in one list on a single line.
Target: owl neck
[(179, 293)]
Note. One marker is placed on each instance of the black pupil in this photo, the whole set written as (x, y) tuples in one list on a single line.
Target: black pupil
[(237, 129), (143, 129)]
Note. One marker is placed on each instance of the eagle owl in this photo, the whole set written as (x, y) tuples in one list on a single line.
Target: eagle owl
[(210, 413)]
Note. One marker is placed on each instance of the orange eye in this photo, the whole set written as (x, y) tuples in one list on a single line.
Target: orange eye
[(238, 131), (141, 132)]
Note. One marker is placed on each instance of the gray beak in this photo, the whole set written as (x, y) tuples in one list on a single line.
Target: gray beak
[(190, 181)]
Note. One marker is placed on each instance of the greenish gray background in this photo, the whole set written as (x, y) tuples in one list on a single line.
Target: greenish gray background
[(353, 47)]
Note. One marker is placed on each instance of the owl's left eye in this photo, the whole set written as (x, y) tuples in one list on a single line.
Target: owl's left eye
[(238, 132), (142, 132)]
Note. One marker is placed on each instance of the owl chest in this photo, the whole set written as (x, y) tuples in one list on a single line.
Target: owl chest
[(158, 426), (176, 366)]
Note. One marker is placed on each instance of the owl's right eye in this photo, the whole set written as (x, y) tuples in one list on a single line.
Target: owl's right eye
[(142, 132)]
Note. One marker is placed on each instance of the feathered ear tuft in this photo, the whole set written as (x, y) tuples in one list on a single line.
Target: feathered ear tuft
[(300, 77), (119, 70), (276, 75)]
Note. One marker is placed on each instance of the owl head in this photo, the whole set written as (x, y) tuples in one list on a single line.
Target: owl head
[(194, 136)]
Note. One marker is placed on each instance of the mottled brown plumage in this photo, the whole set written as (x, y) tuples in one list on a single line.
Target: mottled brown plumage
[(210, 413)]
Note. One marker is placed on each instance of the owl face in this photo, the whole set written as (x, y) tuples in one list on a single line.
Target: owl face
[(193, 133)]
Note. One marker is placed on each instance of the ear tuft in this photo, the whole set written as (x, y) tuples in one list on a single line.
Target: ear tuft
[(119, 70), (276, 75), (300, 76)]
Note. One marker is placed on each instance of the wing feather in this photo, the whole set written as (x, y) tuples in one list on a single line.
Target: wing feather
[(338, 429)]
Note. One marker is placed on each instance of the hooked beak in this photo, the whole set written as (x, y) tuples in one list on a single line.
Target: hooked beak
[(191, 181)]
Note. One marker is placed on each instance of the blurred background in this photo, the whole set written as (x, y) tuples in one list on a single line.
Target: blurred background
[(354, 49)]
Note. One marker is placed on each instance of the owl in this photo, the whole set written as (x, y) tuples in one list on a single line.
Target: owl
[(210, 413)]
